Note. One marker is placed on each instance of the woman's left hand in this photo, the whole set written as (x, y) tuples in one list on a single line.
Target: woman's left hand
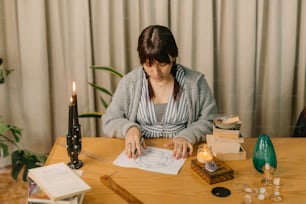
[(180, 147)]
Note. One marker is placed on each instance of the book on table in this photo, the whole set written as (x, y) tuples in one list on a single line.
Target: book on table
[(226, 133), (226, 139), (37, 196), (228, 122), (226, 149), (224, 145), (56, 183)]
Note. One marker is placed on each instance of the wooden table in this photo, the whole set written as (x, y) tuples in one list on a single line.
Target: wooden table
[(186, 187)]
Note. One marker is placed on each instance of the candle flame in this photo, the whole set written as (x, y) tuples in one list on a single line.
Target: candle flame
[(73, 86), (71, 99)]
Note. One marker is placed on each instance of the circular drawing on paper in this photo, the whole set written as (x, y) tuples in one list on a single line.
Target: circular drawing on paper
[(154, 159)]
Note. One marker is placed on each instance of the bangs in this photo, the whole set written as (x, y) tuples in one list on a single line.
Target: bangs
[(150, 55)]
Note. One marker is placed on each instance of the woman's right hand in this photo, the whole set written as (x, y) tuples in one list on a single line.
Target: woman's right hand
[(132, 143)]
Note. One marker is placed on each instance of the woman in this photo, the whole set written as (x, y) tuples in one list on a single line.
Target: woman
[(160, 99)]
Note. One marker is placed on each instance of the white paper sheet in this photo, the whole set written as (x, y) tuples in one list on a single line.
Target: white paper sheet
[(152, 159)]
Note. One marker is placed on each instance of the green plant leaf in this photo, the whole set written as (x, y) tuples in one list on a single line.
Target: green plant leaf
[(102, 89), (91, 115), (5, 138), (2, 80), (4, 72), (108, 69), (104, 103), (8, 71), (38, 158), (26, 159), (16, 132), (32, 160), (4, 148), (17, 163), (3, 127)]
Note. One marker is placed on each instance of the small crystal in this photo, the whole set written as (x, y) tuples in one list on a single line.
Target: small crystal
[(211, 166)]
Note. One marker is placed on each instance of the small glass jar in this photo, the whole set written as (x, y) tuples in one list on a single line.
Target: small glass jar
[(204, 153), (248, 195), (247, 192)]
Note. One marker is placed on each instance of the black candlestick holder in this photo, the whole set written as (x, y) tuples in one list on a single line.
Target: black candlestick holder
[(74, 147)]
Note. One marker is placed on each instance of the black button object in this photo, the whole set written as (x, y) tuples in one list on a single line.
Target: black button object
[(221, 192)]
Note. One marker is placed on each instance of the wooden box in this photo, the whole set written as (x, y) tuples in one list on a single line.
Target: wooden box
[(241, 155), (223, 173)]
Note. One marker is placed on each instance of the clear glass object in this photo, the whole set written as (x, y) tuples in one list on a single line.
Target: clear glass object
[(276, 190), (264, 153), (262, 193), (267, 175), (204, 153), (247, 192), (248, 195)]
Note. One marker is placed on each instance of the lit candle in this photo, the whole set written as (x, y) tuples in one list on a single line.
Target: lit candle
[(70, 117), (204, 154), (75, 105)]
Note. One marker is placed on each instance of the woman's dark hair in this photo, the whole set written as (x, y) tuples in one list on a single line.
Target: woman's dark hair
[(157, 43)]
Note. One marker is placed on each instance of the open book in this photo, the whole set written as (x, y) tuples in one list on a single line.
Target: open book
[(56, 182)]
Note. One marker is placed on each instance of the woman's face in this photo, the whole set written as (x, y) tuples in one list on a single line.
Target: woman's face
[(158, 71)]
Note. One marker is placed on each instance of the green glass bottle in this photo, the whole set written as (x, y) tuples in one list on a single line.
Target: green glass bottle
[(264, 153)]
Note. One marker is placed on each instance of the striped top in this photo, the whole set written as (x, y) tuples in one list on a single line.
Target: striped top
[(175, 117)]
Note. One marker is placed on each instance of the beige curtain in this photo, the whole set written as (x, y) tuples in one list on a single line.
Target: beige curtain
[(48, 44), (251, 52), (25, 98), (115, 28)]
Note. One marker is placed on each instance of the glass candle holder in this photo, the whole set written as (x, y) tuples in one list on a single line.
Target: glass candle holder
[(204, 153), (276, 194), (267, 174)]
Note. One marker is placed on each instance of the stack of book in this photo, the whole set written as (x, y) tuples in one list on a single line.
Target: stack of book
[(56, 184), (226, 139)]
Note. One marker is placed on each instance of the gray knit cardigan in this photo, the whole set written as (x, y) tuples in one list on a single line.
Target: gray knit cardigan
[(121, 113)]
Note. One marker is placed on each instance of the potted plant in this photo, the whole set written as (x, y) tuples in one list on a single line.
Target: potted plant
[(104, 91), (22, 159)]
